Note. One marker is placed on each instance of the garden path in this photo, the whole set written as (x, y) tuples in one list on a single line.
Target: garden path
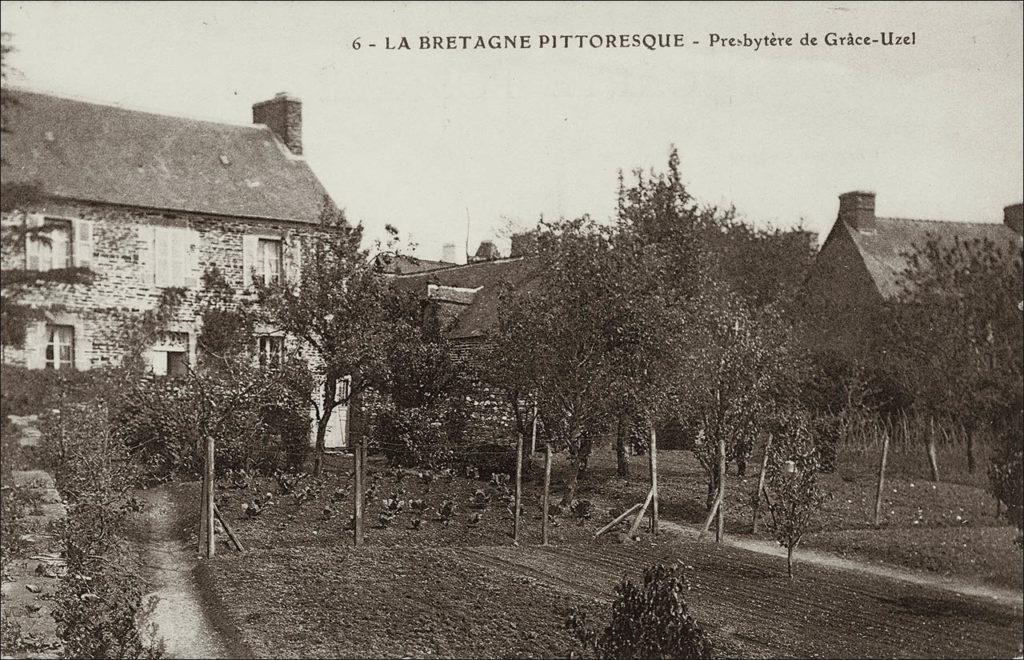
[(170, 561)]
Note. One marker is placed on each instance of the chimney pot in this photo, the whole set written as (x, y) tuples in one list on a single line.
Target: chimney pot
[(1013, 217), (857, 209), (282, 115)]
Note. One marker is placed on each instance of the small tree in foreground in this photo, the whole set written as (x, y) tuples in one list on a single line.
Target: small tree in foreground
[(792, 483), (648, 621)]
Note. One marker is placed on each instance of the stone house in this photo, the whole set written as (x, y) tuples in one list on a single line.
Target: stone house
[(148, 202), (861, 262)]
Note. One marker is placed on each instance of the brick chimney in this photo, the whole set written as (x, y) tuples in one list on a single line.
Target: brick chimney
[(283, 115), (1013, 217), (857, 209), (448, 253), (487, 251)]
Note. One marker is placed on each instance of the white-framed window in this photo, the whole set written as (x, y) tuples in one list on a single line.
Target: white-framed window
[(271, 350), (60, 347), (268, 260), (170, 357), (51, 246)]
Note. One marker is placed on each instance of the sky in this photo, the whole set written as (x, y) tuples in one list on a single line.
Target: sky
[(438, 141)]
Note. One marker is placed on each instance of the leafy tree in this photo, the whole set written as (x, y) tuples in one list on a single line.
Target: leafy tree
[(796, 494), (347, 316), (555, 332), (651, 620), (959, 335)]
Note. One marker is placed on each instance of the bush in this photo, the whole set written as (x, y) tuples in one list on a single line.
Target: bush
[(488, 459), (1006, 475), (648, 621), (256, 429), (37, 391), (98, 605)]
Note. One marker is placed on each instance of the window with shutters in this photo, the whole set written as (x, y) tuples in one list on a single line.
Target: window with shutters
[(169, 357), (50, 247), (271, 351), (268, 260), (60, 347)]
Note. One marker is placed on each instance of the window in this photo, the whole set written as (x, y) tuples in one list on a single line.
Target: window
[(170, 355), (60, 347), (271, 351), (52, 249), (268, 260)]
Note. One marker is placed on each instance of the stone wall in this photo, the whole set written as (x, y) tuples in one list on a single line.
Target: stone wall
[(121, 254)]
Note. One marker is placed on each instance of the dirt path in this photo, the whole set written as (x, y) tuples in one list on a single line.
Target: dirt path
[(755, 610), (170, 563), (1009, 597)]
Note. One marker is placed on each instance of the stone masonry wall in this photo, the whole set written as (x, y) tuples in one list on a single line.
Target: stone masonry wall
[(122, 256)]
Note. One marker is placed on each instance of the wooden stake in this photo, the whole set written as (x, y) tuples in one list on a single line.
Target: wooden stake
[(881, 477), (227, 528), (720, 530), (640, 515), (711, 516), (357, 468), (547, 493), (211, 539), (622, 516), (533, 435), (201, 551), (654, 480), (933, 460), (760, 483), (519, 490)]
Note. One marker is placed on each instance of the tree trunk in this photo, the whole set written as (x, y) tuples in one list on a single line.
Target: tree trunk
[(789, 561), (579, 464), (621, 460), (330, 391), (712, 487), (586, 447)]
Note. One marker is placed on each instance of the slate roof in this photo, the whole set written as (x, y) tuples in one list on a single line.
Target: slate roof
[(885, 250), (403, 264), (481, 315), (99, 153)]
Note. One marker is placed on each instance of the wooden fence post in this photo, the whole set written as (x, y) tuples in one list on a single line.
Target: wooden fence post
[(760, 483), (547, 494), (211, 487), (720, 530), (519, 490), (201, 550), (357, 468), (654, 480), (881, 477), (933, 460), (533, 434)]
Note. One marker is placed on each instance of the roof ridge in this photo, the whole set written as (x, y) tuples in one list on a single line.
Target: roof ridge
[(128, 108), (453, 267), (948, 222)]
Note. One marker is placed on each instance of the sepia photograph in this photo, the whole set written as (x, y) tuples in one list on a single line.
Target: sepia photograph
[(512, 330)]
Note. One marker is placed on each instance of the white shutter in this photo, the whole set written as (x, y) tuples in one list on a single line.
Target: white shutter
[(35, 345), (156, 361), (249, 256), (147, 254), (32, 221), (83, 348), (82, 249), (192, 265), (295, 261)]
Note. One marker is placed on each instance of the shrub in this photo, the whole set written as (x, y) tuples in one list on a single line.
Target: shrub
[(1006, 475), (792, 480), (98, 605), (489, 459), (648, 621)]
